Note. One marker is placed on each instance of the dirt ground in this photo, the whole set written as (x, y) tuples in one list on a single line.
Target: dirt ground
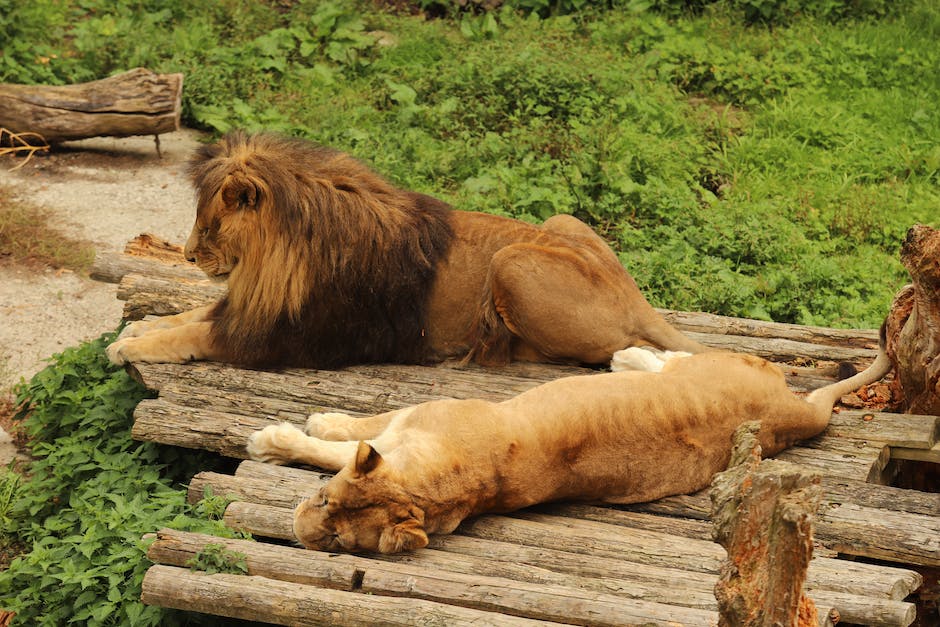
[(104, 190)]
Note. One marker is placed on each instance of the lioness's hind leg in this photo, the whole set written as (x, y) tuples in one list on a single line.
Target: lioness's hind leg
[(328, 425), (338, 427), (285, 444)]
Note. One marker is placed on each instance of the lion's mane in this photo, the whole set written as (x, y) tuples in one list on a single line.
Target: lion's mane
[(337, 265)]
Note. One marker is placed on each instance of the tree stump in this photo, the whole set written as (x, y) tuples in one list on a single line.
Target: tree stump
[(762, 512), (912, 329), (138, 102)]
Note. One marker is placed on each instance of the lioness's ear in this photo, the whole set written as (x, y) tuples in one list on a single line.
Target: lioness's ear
[(405, 536), (367, 459), (239, 192)]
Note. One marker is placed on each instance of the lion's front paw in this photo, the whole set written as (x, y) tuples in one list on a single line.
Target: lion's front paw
[(329, 426), (118, 353), (147, 349), (135, 329), (275, 444)]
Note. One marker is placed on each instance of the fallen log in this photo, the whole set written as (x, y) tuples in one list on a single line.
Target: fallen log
[(419, 579), (138, 102), (913, 324), (286, 603), (862, 593), (763, 515)]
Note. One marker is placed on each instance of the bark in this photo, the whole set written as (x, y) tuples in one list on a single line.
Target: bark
[(138, 102), (763, 515), (913, 325)]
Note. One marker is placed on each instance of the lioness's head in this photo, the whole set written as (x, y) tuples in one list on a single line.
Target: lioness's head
[(361, 508)]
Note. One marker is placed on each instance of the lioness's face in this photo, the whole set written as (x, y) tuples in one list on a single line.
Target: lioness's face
[(360, 511), (222, 222)]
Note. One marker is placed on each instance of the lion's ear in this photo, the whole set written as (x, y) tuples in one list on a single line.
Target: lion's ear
[(367, 459), (405, 536), (239, 192)]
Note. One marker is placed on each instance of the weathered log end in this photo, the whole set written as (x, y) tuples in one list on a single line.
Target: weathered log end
[(913, 325), (137, 102), (762, 512)]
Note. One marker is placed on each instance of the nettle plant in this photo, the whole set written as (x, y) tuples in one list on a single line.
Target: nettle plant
[(89, 496)]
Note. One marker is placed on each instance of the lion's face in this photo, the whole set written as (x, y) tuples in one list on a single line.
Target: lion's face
[(224, 223), (361, 509)]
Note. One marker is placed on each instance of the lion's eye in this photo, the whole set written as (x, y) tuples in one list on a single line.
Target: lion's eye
[(204, 232)]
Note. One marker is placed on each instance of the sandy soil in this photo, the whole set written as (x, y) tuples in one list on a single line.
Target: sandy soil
[(105, 190)]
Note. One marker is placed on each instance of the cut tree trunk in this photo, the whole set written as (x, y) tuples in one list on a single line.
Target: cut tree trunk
[(913, 326), (763, 514), (138, 102)]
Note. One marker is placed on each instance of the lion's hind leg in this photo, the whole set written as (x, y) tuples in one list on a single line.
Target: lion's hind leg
[(564, 303)]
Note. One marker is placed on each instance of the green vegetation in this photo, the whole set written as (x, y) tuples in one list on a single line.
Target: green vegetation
[(90, 495), (215, 558), (761, 158)]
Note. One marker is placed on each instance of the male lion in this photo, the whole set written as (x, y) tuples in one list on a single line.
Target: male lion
[(328, 265), (621, 437)]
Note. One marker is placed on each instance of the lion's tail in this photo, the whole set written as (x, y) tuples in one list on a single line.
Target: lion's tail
[(825, 397)]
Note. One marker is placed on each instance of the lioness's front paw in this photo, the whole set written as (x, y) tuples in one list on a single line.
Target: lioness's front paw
[(275, 444), (329, 426)]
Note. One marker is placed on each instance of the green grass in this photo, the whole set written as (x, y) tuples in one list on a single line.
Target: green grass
[(758, 157)]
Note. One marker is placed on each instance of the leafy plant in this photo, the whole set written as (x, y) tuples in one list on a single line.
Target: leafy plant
[(90, 495), (215, 558)]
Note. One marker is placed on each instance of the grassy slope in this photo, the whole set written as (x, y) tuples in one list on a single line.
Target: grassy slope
[(737, 169)]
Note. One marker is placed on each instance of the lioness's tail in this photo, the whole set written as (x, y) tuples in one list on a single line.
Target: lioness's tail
[(825, 397)]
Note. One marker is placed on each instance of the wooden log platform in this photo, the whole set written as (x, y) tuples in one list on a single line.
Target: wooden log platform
[(572, 563)]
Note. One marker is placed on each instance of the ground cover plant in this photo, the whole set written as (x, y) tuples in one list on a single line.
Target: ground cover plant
[(88, 497), (761, 158)]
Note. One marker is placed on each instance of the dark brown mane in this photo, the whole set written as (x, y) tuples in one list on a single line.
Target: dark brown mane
[(339, 264)]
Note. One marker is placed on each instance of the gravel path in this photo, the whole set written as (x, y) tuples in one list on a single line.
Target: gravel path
[(105, 190)]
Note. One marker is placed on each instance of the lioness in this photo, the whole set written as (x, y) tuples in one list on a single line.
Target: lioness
[(328, 265), (621, 437)]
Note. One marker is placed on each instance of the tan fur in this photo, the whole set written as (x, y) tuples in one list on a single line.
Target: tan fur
[(297, 229), (621, 437)]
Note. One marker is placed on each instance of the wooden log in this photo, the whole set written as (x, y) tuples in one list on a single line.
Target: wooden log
[(698, 322), (880, 534), (824, 573), (775, 349), (285, 603), (111, 267), (913, 325), (763, 514), (416, 579), (836, 490), (138, 102), (860, 592)]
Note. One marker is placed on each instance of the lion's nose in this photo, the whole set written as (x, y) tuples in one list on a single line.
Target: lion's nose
[(190, 256)]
